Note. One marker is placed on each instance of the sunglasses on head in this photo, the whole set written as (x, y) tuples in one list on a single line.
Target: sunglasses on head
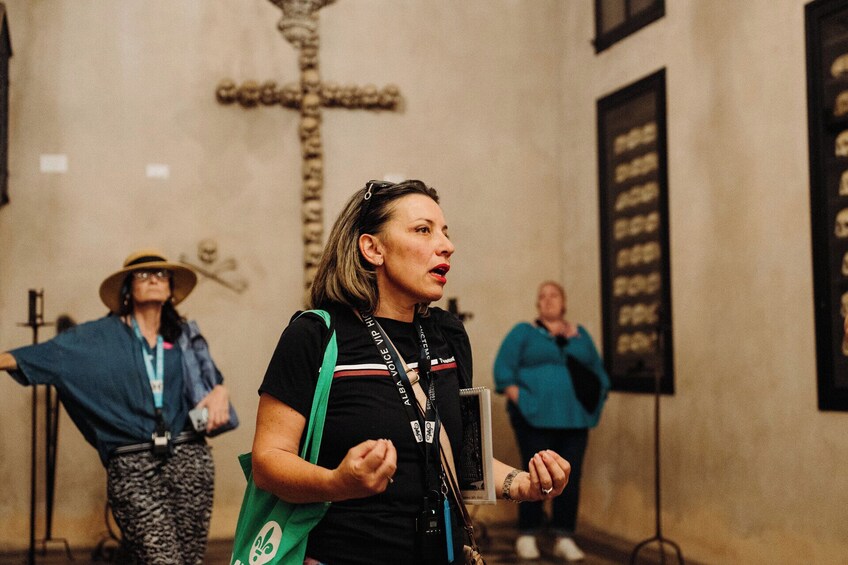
[(371, 187)]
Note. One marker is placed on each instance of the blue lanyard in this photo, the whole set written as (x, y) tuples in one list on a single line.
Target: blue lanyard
[(157, 379)]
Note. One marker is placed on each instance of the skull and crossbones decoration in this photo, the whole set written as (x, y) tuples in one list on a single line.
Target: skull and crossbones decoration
[(210, 267)]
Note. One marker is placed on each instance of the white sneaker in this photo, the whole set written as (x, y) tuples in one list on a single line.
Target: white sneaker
[(568, 550), (525, 547)]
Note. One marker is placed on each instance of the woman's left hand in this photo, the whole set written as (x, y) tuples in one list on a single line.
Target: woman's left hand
[(547, 477), (217, 403)]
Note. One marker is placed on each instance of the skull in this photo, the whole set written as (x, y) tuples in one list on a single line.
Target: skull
[(207, 251), (311, 104), (843, 184), (651, 252), (311, 188), (312, 168), (649, 132), (308, 126), (651, 315), (639, 314), (248, 94), (312, 146), (637, 225), (290, 95), (622, 172), (621, 229), (268, 94), (840, 107), (844, 309), (635, 255), (623, 258), (311, 80), (312, 211), (625, 314), (619, 146), (312, 253), (309, 276), (308, 56), (652, 283), (845, 265), (370, 96), (839, 66), (619, 285), (636, 285), (639, 342), (623, 344), (622, 201), (312, 232), (650, 162), (650, 191), (652, 222), (330, 93), (227, 92), (841, 148), (390, 97), (841, 229), (349, 96)]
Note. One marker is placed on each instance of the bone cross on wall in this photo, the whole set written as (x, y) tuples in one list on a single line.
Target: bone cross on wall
[(299, 25)]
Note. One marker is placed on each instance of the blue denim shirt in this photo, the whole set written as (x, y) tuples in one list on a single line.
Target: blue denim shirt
[(98, 371)]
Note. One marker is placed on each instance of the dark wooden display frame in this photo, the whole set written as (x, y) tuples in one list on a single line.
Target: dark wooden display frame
[(635, 264), (827, 82)]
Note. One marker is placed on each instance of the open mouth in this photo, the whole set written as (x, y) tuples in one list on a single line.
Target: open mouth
[(440, 271)]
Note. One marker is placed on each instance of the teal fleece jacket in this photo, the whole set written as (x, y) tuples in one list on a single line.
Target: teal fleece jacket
[(530, 358)]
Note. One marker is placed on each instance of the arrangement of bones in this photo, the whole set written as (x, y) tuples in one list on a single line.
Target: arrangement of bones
[(636, 225), (212, 268), (638, 195), (638, 167), (299, 26), (637, 218), (636, 342), (639, 135), (636, 285)]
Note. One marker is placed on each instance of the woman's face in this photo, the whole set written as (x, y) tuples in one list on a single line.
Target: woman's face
[(150, 288), (415, 252), (551, 302)]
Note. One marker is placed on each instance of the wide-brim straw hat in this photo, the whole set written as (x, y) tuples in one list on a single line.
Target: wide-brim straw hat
[(184, 278)]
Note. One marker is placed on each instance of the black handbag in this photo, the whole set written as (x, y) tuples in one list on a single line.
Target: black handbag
[(587, 385)]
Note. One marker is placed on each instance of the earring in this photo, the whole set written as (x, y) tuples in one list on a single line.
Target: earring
[(126, 300)]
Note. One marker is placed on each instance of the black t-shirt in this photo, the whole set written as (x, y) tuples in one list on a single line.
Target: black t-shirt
[(364, 404)]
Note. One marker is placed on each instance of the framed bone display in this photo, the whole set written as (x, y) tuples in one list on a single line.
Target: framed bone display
[(827, 101), (635, 265)]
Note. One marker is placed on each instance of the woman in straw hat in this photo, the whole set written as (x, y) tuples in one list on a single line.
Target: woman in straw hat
[(122, 380), (387, 258)]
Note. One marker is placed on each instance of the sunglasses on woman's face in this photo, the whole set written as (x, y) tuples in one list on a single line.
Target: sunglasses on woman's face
[(160, 274)]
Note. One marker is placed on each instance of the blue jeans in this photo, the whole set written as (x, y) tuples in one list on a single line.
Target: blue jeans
[(571, 445)]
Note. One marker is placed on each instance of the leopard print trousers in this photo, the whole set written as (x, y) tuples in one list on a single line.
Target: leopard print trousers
[(163, 505)]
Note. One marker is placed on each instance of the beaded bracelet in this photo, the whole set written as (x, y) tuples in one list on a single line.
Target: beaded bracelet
[(508, 483)]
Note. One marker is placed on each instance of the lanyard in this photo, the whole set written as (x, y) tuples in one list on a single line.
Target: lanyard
[(425, 427), (157, 379), (429, 420)]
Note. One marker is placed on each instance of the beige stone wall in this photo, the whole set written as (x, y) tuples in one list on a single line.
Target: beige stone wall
[(500, 116), (751, 469), (118, 85)]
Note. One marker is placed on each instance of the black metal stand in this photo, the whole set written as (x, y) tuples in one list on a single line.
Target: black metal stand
[(35, 320), (658, 537)]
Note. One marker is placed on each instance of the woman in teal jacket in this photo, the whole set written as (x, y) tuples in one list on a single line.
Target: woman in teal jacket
[(556, 385)]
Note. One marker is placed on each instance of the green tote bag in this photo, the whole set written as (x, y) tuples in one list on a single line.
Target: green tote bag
[(271, 530)]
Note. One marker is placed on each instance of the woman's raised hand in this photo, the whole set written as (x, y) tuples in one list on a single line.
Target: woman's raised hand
[(548, 475), (367, 469)]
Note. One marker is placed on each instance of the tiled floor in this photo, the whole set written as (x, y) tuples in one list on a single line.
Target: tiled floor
[(496, 544)]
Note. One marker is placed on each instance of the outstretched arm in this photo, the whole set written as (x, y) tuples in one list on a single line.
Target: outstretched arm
[(7, 362)]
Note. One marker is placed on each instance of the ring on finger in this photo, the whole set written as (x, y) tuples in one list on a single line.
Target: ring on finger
[(547, 491)]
